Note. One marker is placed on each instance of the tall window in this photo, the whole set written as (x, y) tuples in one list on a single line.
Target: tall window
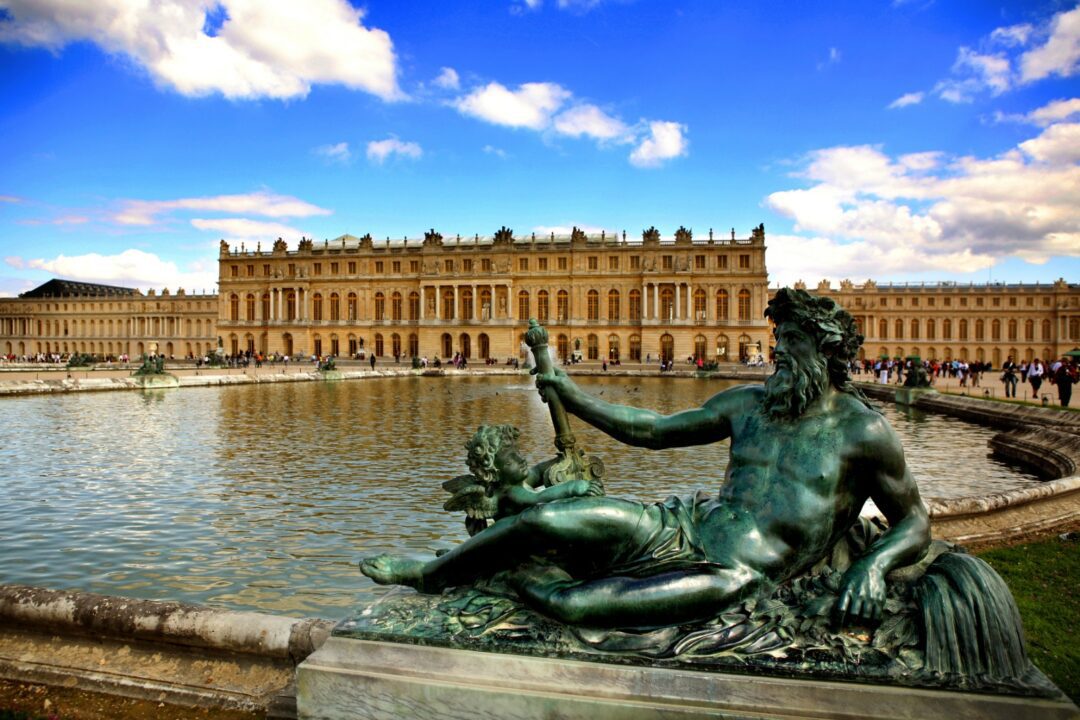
[(699, 347), (316, 307), (542, 306), (249, 303), (266, 306), (995, 330), (667, 304), (635, 348), (414, 309), (635, 304), (744, 304), (523, 305), (395, 307), (721, 304), (914, 329), (562, 305), (352, 306), (946, 329), (980, 330), (467, 304), (335, 306), (448, 305), (613, 305), (699, 304), (593, 344), (234, 305), (1012, 329), (931, 329), (1029, 330), (963, 329), (883, 329), (593, 305), (380, 310)]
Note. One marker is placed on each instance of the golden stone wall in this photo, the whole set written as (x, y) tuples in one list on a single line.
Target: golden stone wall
[(612, 297), (950, 321)]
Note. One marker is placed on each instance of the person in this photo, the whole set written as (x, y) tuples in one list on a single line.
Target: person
[(372, 361), (1064, 377), (1008, 377), (1035, 376), (807, 452)]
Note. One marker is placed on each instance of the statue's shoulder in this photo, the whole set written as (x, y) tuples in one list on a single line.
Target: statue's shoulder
[(738, 398)]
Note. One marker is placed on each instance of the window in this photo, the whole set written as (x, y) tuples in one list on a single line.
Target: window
[(466, 265), (485, 264), (721, 305), (251, 272), (542, 264), (542, 306), (699, 262), (335, 268), (292, 270), (666, 262), (316, 307), (931, 329), (1029, 329), (635, 304), (234, 308), (351, 306), (593, 305), (448, 305), (593, 344), (947, 302), (613, 262), (721, 262), (946, 329), (744, 303), (899, 302), (379, 267), (563, 263), (523, 264), (448, 266), (1012, 302), (899, 329), (249, 306), (380, 308), (523, 305), (395, 307), (1030, 302), (1012, 330), (414, 266), (613, 305), (234, 271), (914, 329), (562, 305), (963, 302), (883, 329), (352, 268), (395, 267), (744, 262), (316, 269), (266, 306), (978, 302), (699, 305), (997, 302), (414, 307), (335, 307), (593, 262), (635, 262), (667, 304), (266, 270), (995, 329), (980, 330), (930, 302), (914, 302), (963, 330)]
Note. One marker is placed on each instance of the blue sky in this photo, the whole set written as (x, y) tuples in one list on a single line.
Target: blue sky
[(914, 140)]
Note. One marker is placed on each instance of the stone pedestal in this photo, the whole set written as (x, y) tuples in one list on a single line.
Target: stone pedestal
[(156, 382), (911, 395), (349, 678)]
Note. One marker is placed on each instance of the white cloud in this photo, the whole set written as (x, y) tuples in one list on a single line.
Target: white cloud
[(448, 79), (1055, 111), (244, 228), (263, 48), (337, 153), (147, 212), (379, 150), (593, 122), (497, 152), (911, 98), (872, 214), (530, 106), (1012, 35), (130, 267), (1060, 54), (975, 73), (10, 199), (15, 261), (665, 141)]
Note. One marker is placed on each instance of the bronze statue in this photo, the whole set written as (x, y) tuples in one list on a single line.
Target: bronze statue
[(807, 451)]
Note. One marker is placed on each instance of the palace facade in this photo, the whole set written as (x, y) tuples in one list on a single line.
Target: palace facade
[(952, 321), (599, 295), (62, 316)]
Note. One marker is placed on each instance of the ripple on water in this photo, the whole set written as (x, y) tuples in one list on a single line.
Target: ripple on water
[(265, 497)]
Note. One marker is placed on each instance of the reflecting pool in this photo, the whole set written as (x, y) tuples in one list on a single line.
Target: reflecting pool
[(264, 497)]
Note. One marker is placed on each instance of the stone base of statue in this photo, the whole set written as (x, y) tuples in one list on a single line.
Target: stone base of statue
[(350, 678), (911, 395), (331, 375), (157, 381)]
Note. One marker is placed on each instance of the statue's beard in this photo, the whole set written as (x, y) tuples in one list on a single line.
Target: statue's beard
[(794, 385)]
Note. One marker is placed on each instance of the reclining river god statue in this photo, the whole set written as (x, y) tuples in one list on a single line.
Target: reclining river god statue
[(777, 570)]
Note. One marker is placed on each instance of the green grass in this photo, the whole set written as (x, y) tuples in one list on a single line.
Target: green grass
[(1044, 578)]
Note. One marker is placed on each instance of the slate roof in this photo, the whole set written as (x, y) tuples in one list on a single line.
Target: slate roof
[(61, 288)]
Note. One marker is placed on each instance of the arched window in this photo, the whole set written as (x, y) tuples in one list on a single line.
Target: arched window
[(448, 305), (946, 329), (613, 306), (883, 329), (592, 343), (395, 307), (335, 307), (963, 330), (699, 305), (635, 348), (1012, 331), (379, 344), (667, 304), (351, 306), (447, 345), (562, 306), (523, 306), (721, 305), (1046, 327), (613, 347), (380, 309), (1029, 330), (635, 304), (395, 345), (467, 304), (234, 307), (562, 346), (414, 345), (914, 330), (592, 304), (414, 307), (290, 306), (249, 308), (899, 326), (485, 304), (722, 345), (466, 346), (931, 329), (266, 306), (483, 344), (542, 306), (744, 304), (667, 347), (699, 347), (316, 308), (995, 331)]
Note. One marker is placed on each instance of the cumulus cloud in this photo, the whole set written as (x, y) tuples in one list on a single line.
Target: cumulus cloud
[(665, 141), (245, 228), (1060, 54), (590, 121), (379, 150), (448, 79), (261, 48), (1055, 111), (335, 153), (911, 98), (130, 267), (530, 106), (266, 204), (866, 210)]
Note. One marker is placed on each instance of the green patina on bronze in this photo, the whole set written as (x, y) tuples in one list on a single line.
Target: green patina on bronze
[(775, 572)]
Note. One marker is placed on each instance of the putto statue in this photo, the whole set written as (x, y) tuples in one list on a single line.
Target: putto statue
[(777, 567)]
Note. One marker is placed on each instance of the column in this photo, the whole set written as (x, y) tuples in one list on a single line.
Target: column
[(656, 301), (457, 307), (475, 304), (678, 300), (423, 300), (438, 304)]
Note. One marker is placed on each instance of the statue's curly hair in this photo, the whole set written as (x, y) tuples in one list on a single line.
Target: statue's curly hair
[(832, 327), (484, 445)]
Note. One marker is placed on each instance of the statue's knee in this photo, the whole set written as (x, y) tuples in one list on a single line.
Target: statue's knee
[(568, 606)]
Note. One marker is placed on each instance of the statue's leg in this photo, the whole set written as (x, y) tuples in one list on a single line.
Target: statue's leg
[(668, 598), (569, 531)]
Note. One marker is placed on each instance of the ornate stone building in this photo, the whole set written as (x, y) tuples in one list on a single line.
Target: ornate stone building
[(601, 295), (946, 321), (62, 316)]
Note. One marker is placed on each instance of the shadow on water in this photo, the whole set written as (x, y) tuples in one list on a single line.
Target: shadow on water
[(264, 497)]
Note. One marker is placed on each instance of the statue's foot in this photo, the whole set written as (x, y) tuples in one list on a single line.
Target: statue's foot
[(394, 570)]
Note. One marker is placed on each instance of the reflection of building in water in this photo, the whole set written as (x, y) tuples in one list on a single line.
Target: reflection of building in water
[(62, 317), (951, 321), (616, 298)]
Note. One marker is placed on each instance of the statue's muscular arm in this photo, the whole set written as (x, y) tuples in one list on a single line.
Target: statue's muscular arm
[(644, 428), (892, 488)]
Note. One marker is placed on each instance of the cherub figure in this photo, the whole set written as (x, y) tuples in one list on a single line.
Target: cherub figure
[(502, 483)]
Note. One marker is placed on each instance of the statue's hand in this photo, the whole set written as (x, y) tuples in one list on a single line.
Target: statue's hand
[(556, 381), (862, 595)]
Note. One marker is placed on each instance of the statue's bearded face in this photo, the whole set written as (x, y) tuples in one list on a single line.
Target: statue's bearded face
[(801, 374)]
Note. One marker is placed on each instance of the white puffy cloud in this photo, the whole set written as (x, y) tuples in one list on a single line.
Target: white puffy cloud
[(262, 48), (1055, 111), (974, 73), (245, 228), (1060, 54), (448, 79), (530, 106), (130, 267), (927, 211), (336, 152), (911, 98), (379, 150), (591, 121), (267, 204), (664, 142), (1012, 35)]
